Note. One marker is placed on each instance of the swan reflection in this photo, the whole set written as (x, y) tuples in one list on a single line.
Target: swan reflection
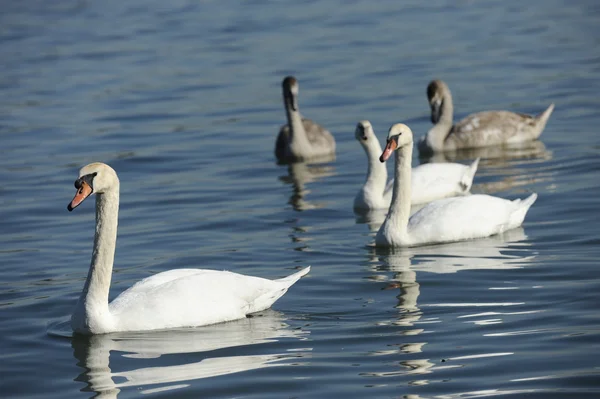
[(497, 155), (508, 163), (300, 174), (99, 355), (509, 250), (502, 251)]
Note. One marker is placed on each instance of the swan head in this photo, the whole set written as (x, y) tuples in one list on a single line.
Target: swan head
[(436, 91), (290, 91), (364, 132), (399, 136), (95, 178)]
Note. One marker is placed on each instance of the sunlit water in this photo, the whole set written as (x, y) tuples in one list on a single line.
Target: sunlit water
[(183, 99)]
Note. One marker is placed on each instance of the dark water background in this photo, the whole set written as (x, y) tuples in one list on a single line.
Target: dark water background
[(183, 99)]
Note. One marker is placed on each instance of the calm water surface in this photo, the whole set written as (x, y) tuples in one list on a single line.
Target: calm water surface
[(183, 99)]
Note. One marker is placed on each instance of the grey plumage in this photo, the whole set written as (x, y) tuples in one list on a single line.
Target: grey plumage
[(301, 138), (477, 130)]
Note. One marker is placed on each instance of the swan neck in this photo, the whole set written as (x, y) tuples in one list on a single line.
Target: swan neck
[(400, 208), (376, 172), (438, 133), (298, 140), (447, 111), (94, 297)]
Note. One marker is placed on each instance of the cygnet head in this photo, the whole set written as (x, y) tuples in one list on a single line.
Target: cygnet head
[(290, 91), (399, 136), (364, 132), (436, 91), (95, 178)]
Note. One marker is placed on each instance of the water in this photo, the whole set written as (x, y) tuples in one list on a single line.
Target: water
[(183, 100)]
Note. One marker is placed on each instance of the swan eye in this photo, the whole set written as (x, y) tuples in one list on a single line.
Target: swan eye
[(89, 179)]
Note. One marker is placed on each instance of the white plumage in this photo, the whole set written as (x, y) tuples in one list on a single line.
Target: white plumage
[(175, 298)]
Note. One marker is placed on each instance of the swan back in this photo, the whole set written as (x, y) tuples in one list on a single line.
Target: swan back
[(433, 181), (195, 297), (497, 127), (464, 218)]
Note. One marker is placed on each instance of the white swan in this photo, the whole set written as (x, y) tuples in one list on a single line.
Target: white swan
[(175, 298), (429, 181), (476, 130), (300, 139), (445, 220)]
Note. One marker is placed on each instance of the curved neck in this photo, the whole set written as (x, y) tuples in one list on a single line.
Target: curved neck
[(377, 172), (299, 143), (438, 133), (400, 208), (93, 302)]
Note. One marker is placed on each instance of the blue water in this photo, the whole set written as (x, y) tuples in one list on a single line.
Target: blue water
[(183, 100)]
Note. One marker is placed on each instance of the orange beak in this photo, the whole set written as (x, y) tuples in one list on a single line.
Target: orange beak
[(390, 147), (83, 192)]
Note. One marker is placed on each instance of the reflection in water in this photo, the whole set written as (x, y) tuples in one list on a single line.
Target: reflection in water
[(497, 252), (94, 354), (299, 174), (485, 253), (496, 156), (507, 162), (373, 218)]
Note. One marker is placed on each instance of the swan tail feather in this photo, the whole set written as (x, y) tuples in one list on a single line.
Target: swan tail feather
[(523, 206), (292, 278), (270, 297), (467, 180), (527, 202), (542, 119)]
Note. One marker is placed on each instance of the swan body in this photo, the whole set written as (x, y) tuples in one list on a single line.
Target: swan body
[(301, 138), (175, 298), (477, 130), (444, 220), (428, 182)]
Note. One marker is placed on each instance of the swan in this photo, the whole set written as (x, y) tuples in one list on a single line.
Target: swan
[(444, 220), (175, 298), (300, 139), (482, 129), (428, 182)]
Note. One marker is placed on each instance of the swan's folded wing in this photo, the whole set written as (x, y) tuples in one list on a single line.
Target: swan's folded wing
[(489, 128), (461, 218), (166, 277), (318, 136), (192, 297), (438, 180)]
